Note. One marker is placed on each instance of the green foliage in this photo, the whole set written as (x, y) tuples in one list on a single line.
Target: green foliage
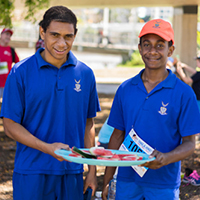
[(33, 7), (6, 8), (135, 59)]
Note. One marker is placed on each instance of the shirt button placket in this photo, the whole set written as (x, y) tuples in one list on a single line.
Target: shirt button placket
[(60, 86)]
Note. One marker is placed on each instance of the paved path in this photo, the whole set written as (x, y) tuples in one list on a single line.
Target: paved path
[(109, 79)]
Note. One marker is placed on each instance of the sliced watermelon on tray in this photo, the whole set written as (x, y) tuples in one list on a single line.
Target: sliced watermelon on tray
[(113, 157), (100, 151), (82, 153), (75, 155), (133, 158), (103, 154)]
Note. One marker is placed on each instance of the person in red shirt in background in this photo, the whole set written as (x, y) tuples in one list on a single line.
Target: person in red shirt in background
[(40, 42), (7, 57)]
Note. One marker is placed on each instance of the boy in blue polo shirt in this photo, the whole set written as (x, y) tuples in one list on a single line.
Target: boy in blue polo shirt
[(163, 112), (50, 101)]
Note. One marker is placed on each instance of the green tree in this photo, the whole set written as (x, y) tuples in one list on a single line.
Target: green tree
[(7, 7), (135, 59), (34, 6)]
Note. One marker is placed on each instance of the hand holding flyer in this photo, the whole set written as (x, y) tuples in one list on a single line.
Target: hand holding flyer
[(134, 143)]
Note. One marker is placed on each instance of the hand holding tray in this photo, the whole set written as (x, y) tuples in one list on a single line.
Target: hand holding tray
[(92, 161)]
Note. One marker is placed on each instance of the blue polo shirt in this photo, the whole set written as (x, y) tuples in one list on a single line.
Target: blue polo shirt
[(52, 104), (161, 118)]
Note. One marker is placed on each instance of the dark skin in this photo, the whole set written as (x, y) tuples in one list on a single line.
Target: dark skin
[(58, 38), (154, 51)]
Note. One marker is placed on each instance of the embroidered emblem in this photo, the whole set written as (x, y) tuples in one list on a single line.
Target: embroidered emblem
[(157, 24), (163, 109), (77, 85)]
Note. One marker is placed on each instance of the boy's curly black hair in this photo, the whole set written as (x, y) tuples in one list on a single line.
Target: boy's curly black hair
[(59, 14)]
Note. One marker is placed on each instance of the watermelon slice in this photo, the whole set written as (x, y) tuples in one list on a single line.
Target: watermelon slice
[(100, 151), (82, 153), (123, 155), (140, 158), (103, 158), (113, 157), (75, 155), (129, 158)]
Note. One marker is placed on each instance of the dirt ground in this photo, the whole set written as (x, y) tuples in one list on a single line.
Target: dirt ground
[(7, 153)]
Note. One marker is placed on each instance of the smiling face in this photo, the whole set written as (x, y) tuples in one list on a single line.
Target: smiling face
[(155, 51), (58, 40), (5, 38)]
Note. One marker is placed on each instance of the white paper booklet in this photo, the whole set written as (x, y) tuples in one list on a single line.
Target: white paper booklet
[(134, 143)]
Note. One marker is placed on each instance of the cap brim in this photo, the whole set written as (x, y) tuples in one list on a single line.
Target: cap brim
[(159, 34), (11, 32)]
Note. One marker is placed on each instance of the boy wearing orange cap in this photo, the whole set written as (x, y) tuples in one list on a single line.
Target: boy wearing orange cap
[(163, 111)]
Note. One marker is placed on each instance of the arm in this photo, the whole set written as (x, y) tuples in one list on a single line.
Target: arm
[(181, 73), (116, 140), (17, 132), (179, 153), (89, 141), (188, 68)]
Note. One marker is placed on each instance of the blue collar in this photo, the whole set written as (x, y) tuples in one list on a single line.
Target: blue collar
[(169, 82), (71, 61)]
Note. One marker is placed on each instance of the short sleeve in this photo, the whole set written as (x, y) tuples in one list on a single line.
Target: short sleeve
[(13, 97)]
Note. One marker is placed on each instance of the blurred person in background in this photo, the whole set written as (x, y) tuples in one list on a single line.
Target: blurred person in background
[(171, 64), (7, 57), (104, 135), (193, 79), (40, 42)]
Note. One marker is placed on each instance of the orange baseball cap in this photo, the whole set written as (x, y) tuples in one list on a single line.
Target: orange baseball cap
[(7, 30), (159, 27)]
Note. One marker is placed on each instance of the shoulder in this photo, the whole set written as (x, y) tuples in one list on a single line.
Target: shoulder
[(24, 64), (125, 88), (84, 66), (79, 65), (127, 83), (182, 86), (7, 48), (130, 83), (183, 92), (84, 69)]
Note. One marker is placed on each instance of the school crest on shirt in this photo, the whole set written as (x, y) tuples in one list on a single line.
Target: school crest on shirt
[(163, 109), (77, 85)]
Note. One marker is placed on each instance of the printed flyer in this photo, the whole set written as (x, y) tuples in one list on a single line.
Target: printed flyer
[(134, 143)]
